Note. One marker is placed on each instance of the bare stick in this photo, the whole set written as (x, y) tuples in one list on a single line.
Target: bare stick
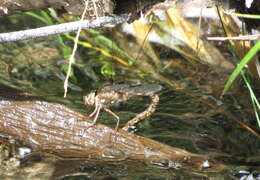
[(238, 38), (62, 28)]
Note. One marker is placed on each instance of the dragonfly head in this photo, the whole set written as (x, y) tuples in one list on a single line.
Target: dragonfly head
[(90, 99)]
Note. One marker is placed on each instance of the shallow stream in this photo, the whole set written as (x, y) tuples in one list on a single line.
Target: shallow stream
[(194, 119)]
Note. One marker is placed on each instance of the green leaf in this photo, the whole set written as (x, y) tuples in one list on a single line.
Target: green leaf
[(108, 69)]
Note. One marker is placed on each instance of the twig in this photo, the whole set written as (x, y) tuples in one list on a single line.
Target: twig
[(239, 38), (74, 49), (62, 28)]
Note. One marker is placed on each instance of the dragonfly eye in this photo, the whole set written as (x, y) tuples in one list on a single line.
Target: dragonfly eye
[(89, 100)]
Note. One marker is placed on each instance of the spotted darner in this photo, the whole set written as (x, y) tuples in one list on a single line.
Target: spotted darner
[(112, 94)]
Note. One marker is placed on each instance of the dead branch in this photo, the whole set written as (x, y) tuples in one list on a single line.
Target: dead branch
[(62, 28), (238, 38)]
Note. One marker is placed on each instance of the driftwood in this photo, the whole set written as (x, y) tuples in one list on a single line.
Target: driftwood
[(56, 129)]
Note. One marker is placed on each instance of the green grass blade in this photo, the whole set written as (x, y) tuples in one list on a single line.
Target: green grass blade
[(39, 17), (251, 53), (256, 105), (249, 16)]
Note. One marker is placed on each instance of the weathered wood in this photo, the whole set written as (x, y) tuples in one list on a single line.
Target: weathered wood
[(57, 129)]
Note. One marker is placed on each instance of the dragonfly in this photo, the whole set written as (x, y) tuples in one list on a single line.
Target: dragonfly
[(113, 94)]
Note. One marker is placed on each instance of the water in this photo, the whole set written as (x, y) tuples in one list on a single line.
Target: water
[(182, 119)]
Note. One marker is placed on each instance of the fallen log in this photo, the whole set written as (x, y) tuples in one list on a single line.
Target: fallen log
[(56, 129)]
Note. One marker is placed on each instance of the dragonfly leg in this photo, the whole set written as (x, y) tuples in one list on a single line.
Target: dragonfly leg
[(97, 113), (94, 112), (113, 114), (148, 112)]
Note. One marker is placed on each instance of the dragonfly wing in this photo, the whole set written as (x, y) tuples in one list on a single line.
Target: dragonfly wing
[(145, 90)]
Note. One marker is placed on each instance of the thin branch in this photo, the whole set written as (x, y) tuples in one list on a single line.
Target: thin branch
[(239, 38), (74, 49), (105, 21)]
